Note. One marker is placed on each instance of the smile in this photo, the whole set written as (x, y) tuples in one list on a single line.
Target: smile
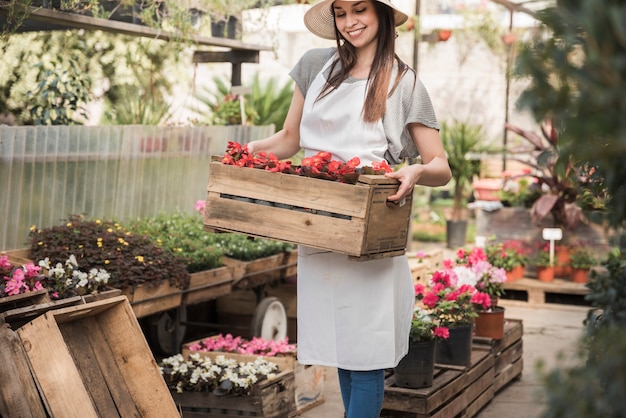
[(356, 32)]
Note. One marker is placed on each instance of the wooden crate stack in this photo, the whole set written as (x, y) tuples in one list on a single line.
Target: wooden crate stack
[(460, 392)]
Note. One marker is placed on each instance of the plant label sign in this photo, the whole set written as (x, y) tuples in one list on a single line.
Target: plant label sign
[(552, 234)]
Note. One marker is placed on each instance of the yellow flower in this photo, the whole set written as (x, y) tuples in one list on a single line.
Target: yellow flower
[(68, 224), (106, 261), (98, 221), (180, 250), (120, 240), (139, 258), (40, 243), (33, 228), (110, 230), (80, 246)]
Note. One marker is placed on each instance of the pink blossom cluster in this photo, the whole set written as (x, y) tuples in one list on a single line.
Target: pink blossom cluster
[(255, 346), (19, 280)]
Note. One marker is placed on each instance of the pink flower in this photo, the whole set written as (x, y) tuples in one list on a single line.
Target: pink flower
[(31, 270), (430, 299), (200, 206), (419, 289), (442, 332), (483, 299)]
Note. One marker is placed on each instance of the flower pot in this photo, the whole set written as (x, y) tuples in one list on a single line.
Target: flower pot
[(562, 262), (579, 275), (545, 273), (457, 349), (490, 323), (456, 233), (417, 368), (515, 273)]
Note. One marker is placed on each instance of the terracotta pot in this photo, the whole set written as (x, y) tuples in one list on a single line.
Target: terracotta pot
[(545, 274), (515, 274), (579, 275), (562, 267), (490, 324)]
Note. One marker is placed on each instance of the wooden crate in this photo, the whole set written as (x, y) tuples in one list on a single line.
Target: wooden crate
[(261, 271), (508, 353), (309, 380), (18, 257), (93, 360), (269, 399), (454, 389), (352, 219)]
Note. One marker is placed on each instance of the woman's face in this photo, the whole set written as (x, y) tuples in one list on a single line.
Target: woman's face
[(357, 21)]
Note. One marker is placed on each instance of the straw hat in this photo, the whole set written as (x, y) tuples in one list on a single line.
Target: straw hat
[(319, 18)]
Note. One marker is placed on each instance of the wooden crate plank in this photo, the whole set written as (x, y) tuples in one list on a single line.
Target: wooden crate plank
[(20, 398), (288, 189), (478, 387), (208, 285), (261, 271), (94, 360), (24, 299), (44, 342), (508, 356), (511, 372), (479, 403), (148, 299), (19, 316)]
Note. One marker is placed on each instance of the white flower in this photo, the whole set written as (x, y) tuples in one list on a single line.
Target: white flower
[(465, 276)]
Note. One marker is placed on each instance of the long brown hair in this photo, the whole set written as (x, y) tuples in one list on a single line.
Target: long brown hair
[(382, 67)]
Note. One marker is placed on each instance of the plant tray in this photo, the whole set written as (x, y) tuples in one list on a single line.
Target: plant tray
[(93, 360), (353, 219), (269, 399)]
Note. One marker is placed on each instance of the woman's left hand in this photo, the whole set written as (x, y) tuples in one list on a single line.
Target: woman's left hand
[(408, 177)]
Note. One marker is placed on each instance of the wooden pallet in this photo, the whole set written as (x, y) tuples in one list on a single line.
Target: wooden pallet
[(459, 392), (536, 290)]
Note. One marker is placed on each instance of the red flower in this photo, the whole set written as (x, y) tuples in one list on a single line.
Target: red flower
[(442, 332)]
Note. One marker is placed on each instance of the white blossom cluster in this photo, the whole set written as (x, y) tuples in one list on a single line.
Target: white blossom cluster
[(68, 277), (200, 374)]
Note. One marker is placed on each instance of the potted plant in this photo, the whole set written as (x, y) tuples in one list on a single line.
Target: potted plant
[(511, 255), (460, 140), (416, 369), (452, 303), (544, 265), (581, 261)]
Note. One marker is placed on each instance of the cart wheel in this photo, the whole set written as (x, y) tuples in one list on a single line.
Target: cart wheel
[(269, 320), (162, 332)]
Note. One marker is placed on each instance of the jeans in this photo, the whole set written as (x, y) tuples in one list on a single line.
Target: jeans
[(362, 392)]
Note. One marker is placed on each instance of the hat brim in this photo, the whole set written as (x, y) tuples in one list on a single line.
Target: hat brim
[(320, 21)]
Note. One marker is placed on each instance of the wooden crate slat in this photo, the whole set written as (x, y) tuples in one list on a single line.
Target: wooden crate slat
[(20, 398), (208, 285), (508, 356), (147, 299), (511, 372), (479, 403), (295, 227), (83, 347)]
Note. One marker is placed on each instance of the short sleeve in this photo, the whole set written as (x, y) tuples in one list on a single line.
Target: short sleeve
[(308, 66), (409, 103)]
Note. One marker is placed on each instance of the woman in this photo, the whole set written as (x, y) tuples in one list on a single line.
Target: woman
[(358, 100)]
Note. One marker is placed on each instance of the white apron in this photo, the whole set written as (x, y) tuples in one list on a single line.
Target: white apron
[(354, 315)]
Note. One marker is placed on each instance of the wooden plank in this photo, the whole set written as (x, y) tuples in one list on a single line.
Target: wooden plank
[(261, 271), (508, 356), (513, 331), (479, 403), (43, 342), (92, 358), (479, 387), (19, 316), (20, 398), (148, 299), (24, 299), (208, 285), (511, 372)]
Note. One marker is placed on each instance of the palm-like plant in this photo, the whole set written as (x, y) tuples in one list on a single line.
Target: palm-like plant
[(460, 140)]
